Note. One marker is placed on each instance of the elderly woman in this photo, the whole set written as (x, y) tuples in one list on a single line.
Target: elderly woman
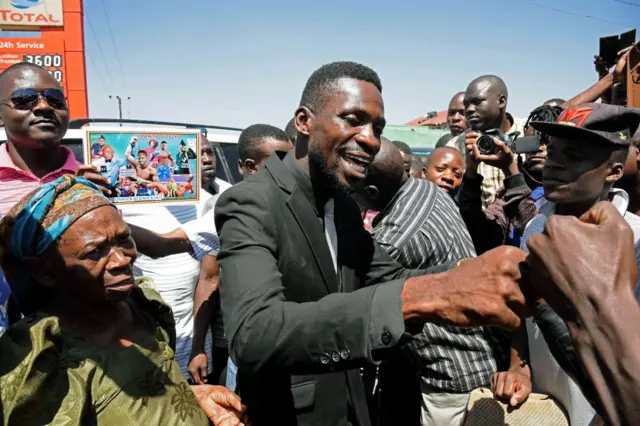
[(95, 346)]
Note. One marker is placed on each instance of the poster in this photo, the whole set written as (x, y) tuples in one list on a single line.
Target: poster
[(147, 167)]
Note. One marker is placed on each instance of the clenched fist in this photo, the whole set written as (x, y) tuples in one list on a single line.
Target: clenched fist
[(576, 264), (483, 291)]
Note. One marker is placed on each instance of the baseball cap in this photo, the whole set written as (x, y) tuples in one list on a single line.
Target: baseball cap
[(601, 123)]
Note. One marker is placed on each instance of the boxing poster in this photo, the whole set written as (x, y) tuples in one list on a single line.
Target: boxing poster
[(147, 167)]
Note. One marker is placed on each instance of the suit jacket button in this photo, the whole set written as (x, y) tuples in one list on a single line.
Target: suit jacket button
[(386, 338), (345, 354), (335, 357), (325, 359)]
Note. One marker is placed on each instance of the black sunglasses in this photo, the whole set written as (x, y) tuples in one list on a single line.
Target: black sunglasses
[(26, 99)]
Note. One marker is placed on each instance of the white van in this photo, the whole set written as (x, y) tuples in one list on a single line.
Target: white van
[(224, 139)]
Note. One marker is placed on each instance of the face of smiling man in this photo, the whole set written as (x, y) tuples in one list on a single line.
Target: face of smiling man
[(344, 133)]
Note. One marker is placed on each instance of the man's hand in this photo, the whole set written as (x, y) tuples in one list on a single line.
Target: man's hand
[(223, 407), (620, 70), (471, 165), (198, 368), (503, 158), (482, 291), (511, 386), (91, 173), (576, 265)]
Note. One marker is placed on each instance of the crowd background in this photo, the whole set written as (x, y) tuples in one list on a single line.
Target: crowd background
[(344, 281)]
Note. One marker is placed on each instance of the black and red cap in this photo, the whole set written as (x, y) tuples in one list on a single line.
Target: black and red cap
[(600, 123)]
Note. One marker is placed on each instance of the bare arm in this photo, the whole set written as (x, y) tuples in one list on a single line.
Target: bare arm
[(602, 87), (160, 245), (204, 311), (592, 290), (609, 346), (592, 94), (130, 157)]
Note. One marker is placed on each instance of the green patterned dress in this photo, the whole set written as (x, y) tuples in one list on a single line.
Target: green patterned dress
[(49, 375)]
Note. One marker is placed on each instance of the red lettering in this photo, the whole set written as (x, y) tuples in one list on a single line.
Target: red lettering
[(576, 116), (8, 15)]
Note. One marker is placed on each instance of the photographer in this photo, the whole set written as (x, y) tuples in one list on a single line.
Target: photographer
[(485, 103), (503, 221)]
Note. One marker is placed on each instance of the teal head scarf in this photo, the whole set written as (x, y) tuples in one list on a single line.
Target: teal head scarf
[(34, 224)]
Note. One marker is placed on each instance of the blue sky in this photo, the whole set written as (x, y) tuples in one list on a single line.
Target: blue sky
[(239, 62)]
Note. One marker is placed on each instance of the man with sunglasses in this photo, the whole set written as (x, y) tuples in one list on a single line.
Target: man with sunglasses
[(34, 114), (35, 117)]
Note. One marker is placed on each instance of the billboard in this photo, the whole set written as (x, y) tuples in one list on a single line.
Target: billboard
[(58, 49), (147, 167), (39, 13)]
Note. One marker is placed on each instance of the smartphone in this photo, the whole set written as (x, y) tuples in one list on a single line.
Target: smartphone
[(609, 49), (627, 39)]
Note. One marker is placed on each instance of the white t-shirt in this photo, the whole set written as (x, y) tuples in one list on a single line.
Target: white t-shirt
[(175, 277)]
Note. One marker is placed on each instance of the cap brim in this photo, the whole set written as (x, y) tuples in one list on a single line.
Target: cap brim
[(569, 132)]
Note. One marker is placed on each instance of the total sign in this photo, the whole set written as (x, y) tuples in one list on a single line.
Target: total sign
[(31, 13)]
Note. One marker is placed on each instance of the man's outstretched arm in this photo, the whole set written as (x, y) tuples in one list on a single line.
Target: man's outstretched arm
[(197, 238), (341, 331)]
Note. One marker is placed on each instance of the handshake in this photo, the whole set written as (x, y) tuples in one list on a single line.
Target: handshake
[(572, 265)]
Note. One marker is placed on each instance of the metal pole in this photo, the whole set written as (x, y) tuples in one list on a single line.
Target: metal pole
[(120, 108), (119, 99)]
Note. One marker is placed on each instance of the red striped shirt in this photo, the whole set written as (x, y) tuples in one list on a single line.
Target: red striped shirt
[(16, 183)]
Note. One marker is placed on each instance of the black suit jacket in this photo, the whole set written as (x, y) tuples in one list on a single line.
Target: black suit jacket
[(298, 331)]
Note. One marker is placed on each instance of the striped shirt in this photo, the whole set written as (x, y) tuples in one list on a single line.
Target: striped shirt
[(16, 183), (493, 176), (422, 227)]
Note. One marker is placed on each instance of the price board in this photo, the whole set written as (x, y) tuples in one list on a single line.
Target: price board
[(49, 55)]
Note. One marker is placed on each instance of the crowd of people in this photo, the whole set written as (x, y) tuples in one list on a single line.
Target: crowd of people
[(345, 281)]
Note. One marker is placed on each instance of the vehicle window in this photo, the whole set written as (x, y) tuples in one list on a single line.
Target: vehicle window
[(230, 151), (75, 145)]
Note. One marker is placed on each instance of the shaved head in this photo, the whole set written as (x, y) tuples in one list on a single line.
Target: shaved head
[(457, 100), (385, 177), (485, 103), (387, 165), (490, 82)]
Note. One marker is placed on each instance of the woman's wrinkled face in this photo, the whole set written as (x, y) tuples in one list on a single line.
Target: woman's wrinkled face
[(93, 259)]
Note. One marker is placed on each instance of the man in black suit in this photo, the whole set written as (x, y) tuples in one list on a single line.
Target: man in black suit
[(307, 296)]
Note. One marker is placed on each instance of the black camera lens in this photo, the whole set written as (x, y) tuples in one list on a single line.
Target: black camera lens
[(486, 145)]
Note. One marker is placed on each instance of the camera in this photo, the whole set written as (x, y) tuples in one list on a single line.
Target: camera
[(486, 144), (527, 144)]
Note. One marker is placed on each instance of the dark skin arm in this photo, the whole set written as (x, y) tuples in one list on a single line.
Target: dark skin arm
[(592, 290), (160, 245), (514, 385), (204, 311), (604, 85)]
